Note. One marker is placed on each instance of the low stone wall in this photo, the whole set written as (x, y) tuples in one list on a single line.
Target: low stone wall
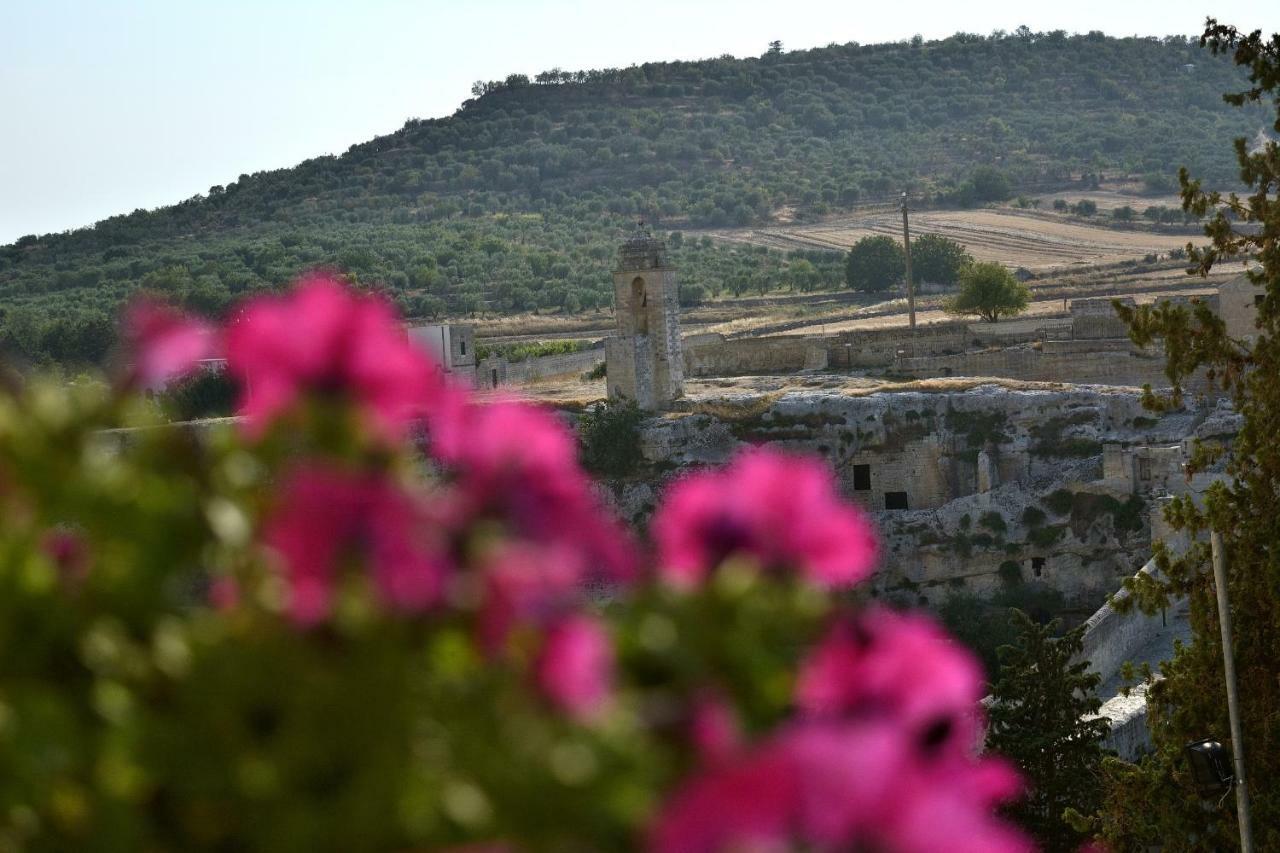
[(1041, 365), (872, 348), (533, 369), (742, 356)]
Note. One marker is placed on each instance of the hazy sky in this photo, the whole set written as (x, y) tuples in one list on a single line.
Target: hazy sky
[(111, 105)]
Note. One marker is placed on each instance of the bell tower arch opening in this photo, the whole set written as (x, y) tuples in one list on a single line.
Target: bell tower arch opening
[(639, 306), (644, 361)]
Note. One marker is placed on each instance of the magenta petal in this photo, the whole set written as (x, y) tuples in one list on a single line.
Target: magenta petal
[(164, 343), (575, 668)]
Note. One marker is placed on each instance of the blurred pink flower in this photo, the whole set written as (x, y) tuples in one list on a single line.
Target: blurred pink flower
[(780, 510), (527, 585), (163, 343), (325, 339), (575, 667), (517, 464), (714, 729), (324, 515), (835, 785), (899, 664), (68, 552), (224, 593)]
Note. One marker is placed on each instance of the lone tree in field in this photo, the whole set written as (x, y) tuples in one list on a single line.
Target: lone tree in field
[(937, 260), (990, 291), (1155, 802), (1040, 699), (875, 264)]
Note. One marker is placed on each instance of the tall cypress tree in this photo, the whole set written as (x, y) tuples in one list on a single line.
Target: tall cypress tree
[(1154, 802), (1038, 722)]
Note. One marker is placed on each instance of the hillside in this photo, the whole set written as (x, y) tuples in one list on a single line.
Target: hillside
[(516, 201)]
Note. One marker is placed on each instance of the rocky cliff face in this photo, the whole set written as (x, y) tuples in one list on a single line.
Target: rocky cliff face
[(981, 490)]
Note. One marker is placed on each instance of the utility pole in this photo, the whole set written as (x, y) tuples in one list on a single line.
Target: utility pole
[(1233, 692), (906, 247)]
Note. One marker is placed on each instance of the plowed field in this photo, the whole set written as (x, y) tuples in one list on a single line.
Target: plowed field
[(1039, 241)]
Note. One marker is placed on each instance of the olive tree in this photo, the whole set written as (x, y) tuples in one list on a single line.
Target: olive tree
[(989, 291), (875, 264), (937, 260)]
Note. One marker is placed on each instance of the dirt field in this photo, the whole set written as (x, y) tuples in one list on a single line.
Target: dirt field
[(1037, 240)]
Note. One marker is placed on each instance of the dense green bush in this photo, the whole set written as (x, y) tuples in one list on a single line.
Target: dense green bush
[(937, 260), (207, 394), (875, 264), (609, 436), (518, 352)]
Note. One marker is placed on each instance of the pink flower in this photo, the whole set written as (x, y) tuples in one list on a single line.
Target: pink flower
[(881, 756), (527, 585), (325, 515), (781, 511), (714, 729), (836, 785), (575, 668), (224, 593), (747, 805), (68, 552), (163, 342), (325, 340), (517, 465), (897, 664)]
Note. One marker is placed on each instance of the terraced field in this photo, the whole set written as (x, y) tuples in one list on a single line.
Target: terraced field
[(1039, 241)]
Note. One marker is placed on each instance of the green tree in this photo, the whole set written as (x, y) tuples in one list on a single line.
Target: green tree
[(989, 184), (1154, 802), (937, 260), (804, 275), (875, 264), (1037, 720), (206, 394), (609, 436), (989, 291)]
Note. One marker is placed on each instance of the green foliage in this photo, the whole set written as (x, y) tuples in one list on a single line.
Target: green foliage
[(993, 521), (1154, 802), (984, 626), (520, 351), (1045, 537), (1086, 508), (1049, 439), (937, 260), (1033, 516), (985, 184), (989, 291), (609, 434), (206, 394), (517, 202), (1060, 501), (1036, 721), (138, 716), (875, 264)]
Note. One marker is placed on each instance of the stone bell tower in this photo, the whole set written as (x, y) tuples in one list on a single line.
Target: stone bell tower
[(644, 362)]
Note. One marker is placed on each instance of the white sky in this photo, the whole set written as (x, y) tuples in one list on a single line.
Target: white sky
[(111, 105)]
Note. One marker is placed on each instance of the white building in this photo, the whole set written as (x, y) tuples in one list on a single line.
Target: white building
[(452, 346)]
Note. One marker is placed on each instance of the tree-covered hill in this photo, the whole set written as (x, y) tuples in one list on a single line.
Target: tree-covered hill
[(515, 202)]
